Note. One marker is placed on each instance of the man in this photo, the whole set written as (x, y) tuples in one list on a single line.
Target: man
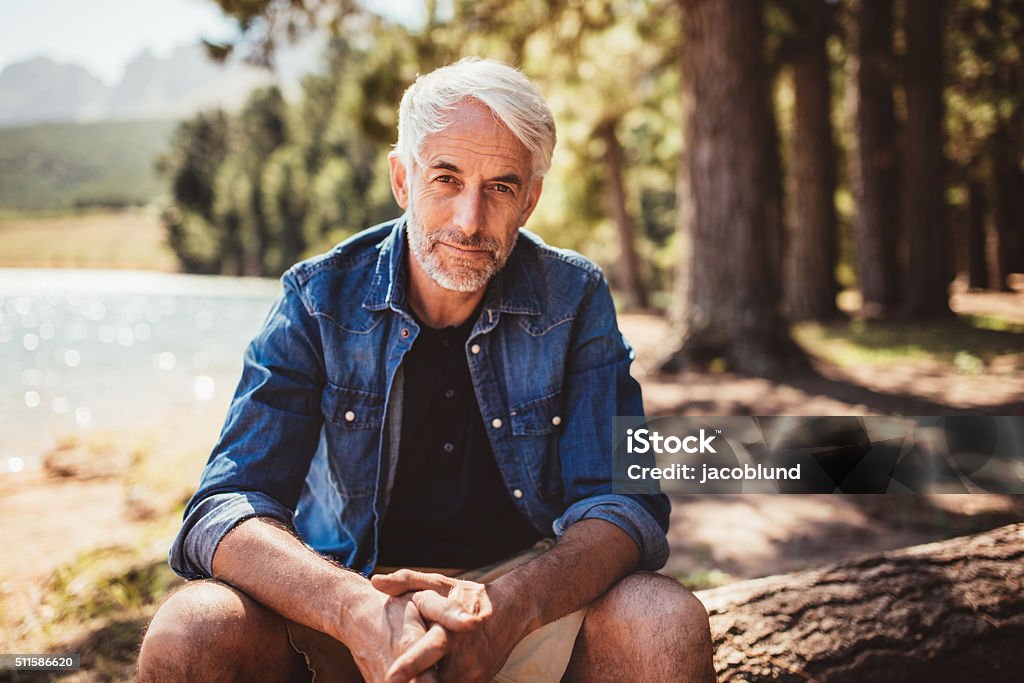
[(436, 392)]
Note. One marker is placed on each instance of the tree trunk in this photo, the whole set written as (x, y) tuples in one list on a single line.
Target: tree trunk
[(928, 273), (876, 160), (810, 283), (728, 289), (977, 264), (949, 611), (1008, 213), (630, 281)]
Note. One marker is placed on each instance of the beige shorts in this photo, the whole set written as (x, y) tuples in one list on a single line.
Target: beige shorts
[(540, 657)]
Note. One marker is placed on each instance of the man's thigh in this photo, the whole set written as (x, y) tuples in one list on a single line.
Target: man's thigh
[(207, 630)]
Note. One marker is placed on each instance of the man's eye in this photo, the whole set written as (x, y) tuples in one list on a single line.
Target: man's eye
[(445, 179), (502, 188)]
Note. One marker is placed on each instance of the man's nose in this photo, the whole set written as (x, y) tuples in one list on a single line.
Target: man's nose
[(468, 216)]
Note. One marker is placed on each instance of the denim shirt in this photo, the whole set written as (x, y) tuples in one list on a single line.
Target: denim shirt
[(311, 437)]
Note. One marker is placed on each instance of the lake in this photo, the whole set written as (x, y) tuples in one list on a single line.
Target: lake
[(89, 350)]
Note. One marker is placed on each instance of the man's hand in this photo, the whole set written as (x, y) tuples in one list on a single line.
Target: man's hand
[(395, 644), (473, 654)]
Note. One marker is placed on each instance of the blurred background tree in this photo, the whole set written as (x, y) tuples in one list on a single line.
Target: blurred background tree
[(739, 165)]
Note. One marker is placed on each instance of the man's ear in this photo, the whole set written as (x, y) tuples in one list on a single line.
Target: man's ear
[(399, 181), (531, 200)]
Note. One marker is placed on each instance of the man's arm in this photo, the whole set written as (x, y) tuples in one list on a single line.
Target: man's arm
[(260, 462), (589, 558), (602, 535), (237, 525), (386, 635)]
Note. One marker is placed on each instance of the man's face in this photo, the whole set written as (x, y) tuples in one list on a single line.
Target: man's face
[(467, 202)]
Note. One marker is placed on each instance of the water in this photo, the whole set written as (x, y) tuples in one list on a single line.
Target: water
[(87, 350)]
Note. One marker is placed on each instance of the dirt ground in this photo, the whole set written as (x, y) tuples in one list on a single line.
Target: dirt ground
[(715, 539), (129, 495)]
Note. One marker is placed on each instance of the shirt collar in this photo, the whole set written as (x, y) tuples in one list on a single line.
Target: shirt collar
[(512, 290)]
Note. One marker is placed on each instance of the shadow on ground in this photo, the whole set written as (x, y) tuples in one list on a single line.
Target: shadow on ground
[(719, 538)]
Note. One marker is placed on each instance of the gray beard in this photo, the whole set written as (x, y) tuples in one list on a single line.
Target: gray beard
[(457, 275)]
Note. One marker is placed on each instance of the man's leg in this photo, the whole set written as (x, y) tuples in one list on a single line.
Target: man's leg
[(647, 627), (208, 631)]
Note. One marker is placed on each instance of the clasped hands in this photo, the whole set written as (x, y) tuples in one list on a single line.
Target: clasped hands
[(431, 627)]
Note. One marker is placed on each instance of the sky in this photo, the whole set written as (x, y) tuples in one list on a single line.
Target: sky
[(103, 35)]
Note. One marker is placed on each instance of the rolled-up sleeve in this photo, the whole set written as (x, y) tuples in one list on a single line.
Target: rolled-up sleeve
[(260, 462), (599, 387), (638, 518)]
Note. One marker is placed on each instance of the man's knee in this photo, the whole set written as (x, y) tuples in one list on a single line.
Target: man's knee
[(646, 627), (646, 604), (208, 629)]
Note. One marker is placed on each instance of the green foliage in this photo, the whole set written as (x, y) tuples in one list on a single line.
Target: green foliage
[(332, 180), (985, 46), (255, 192), (68, 165), (199, 148), (599, 62), (285, 198)]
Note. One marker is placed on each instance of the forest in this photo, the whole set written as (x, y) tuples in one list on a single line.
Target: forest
[(739, 163)]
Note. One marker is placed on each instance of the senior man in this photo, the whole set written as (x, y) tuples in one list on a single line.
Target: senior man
[(429, 405)]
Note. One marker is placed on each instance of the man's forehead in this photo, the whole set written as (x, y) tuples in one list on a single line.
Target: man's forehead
[(443, 151), (472, 127)]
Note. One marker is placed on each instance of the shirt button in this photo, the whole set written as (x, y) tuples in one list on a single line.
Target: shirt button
[(350, 416), (496, 423), (556, 420), (518, 493), (405, 333), (474, 349), (445, 343), (448, 393), (449, 447)]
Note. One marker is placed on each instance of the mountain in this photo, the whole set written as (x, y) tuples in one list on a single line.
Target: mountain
[(43, 90), (180, 84)]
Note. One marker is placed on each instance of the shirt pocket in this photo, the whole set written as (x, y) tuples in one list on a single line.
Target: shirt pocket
[(352, 422), (537, 427)]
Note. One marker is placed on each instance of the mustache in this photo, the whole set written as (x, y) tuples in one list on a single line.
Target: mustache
[(460, 240)]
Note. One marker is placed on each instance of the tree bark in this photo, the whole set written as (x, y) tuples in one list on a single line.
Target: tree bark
[(977, 263), (1008, 212), (949, 611), (810, 283), (630, 280), (928, 273), (728, 290), (875, 162)]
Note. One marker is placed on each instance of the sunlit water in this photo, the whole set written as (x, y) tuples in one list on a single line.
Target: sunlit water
[(85, 350)]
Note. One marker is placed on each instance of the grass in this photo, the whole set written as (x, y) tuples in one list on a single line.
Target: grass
[(97, 606), (966, 343), (702, 579), (98, 603), (131, 238), (98, 585), (64, 165)]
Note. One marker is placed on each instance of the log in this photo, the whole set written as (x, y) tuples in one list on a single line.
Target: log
[(947, 611)]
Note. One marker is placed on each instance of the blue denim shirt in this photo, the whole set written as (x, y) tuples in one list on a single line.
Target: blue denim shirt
[(311, 437)]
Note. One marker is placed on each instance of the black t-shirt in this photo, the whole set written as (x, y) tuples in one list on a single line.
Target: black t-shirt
[(449, 506)]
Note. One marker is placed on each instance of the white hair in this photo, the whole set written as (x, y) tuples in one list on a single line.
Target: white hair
[(506, 91)]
